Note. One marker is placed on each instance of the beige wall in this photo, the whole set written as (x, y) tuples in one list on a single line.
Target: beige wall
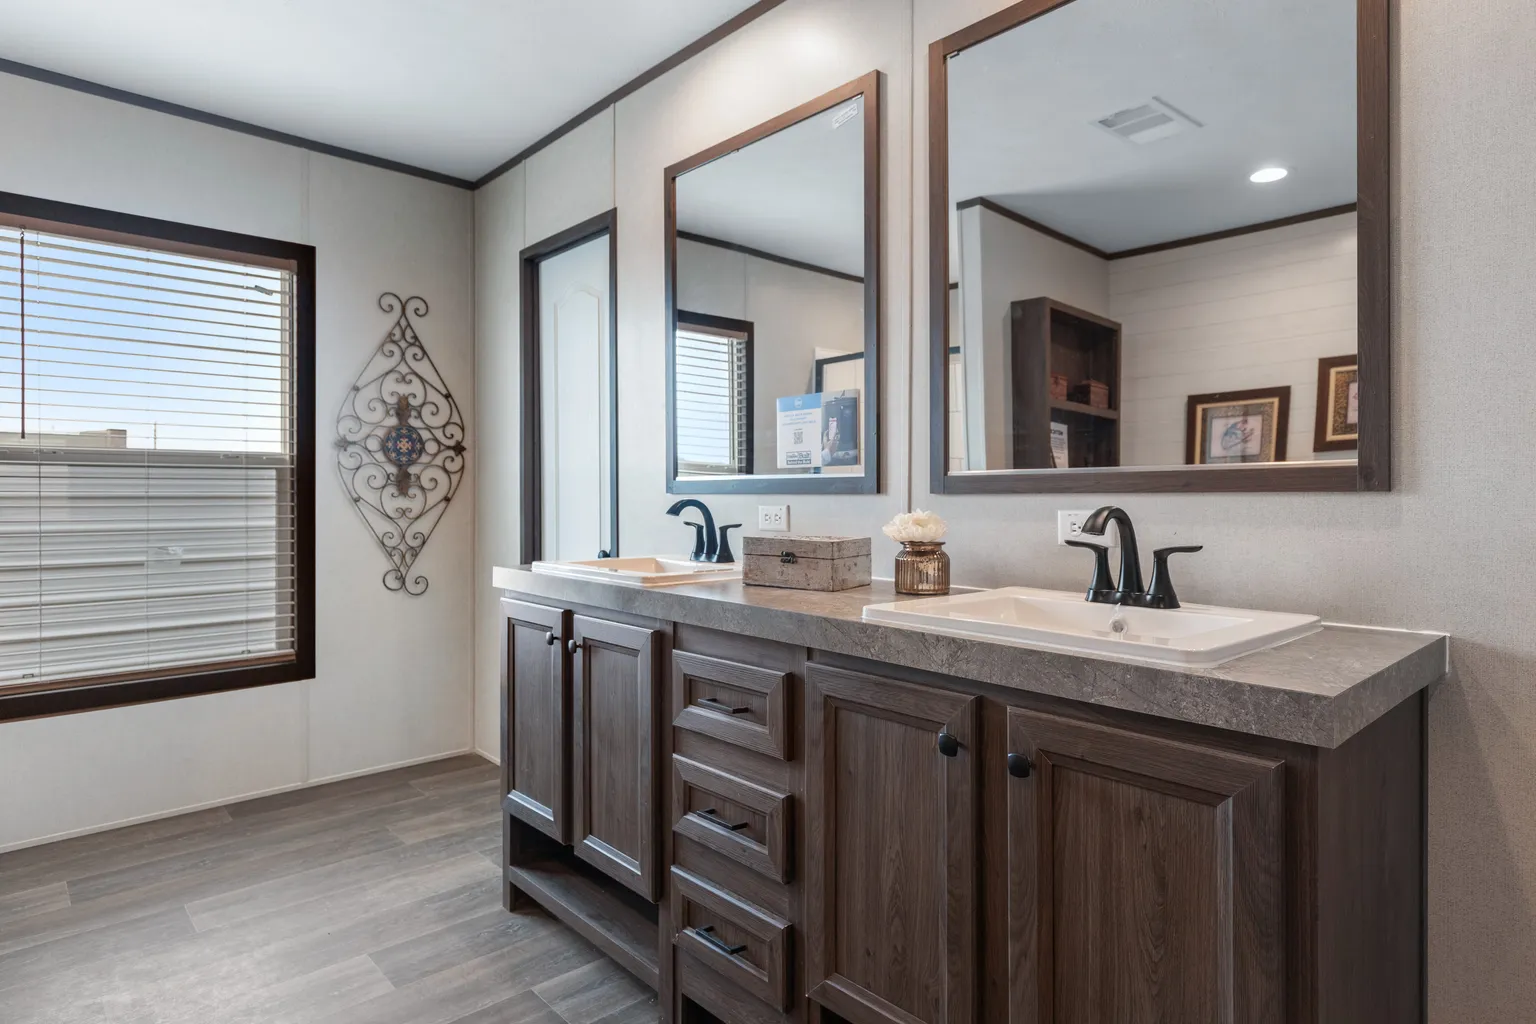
[(1464, 381), (392, 673), (1255, 311)]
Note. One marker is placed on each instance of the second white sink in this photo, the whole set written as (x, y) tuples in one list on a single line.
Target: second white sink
[(649, 571), (1194, 636)]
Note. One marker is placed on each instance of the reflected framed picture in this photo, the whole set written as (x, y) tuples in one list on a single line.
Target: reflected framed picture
[(1338, 404), (1234, 427)]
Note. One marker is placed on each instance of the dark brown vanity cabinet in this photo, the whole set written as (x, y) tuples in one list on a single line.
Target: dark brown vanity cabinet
[(844, 842), (581, 770), (891, 842), (1144, 878), (535, 773), (614, 752)]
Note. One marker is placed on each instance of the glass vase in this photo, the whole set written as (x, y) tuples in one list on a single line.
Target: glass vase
[(922, 568)]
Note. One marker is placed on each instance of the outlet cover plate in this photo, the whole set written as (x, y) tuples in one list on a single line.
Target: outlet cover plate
[(1069, 525), (773, 518)]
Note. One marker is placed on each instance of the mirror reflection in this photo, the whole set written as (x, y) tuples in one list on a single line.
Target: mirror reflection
[(1153, 237), (769, 357)]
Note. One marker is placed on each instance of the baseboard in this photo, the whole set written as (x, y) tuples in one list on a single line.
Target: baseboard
[(59, 837), (494, 759)]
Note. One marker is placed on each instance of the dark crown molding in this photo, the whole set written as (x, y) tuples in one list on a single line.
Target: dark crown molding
[(1177, 243), (763, 254), (90, 88), (693, 49), (107, 92)]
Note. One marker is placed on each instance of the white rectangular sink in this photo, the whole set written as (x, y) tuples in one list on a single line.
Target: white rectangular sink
[(1194, 636), (650, 571)]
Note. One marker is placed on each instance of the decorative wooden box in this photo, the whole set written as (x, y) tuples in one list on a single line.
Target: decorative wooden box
[(1093, 393), (1058, 387), (806, 563)]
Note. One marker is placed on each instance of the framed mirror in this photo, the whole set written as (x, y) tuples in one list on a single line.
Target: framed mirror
[(773, 304), (1159, 248)]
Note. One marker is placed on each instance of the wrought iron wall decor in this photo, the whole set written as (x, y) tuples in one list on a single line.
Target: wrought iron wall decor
[(400, 444)]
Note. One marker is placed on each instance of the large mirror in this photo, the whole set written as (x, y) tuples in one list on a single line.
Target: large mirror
[(773, 302), (1160, 245)]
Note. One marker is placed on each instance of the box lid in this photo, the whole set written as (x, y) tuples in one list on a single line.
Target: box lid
[(806, 547)]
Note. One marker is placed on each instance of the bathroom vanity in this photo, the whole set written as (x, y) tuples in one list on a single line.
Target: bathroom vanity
[(773, 810)]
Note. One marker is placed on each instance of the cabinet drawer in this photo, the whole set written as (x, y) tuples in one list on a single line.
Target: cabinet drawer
[(731, 816), (734, 938), (739, 704)]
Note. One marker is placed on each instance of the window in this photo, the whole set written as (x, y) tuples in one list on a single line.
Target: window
[(714, 395), (156, 459)]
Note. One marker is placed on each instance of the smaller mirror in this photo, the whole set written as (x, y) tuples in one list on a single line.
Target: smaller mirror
[(773, 304)]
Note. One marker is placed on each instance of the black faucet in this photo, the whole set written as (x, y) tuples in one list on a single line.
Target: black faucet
[(1129, 589), (709, 545)]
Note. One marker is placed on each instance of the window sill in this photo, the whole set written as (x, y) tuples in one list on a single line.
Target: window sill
[(69, 699)]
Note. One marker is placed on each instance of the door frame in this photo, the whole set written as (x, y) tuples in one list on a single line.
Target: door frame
[(530, 368)]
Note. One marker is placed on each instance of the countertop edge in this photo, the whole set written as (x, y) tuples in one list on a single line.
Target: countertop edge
[(1208, 698)]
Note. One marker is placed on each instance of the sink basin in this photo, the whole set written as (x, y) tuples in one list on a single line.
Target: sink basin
[(650, 571), (1194, 636)]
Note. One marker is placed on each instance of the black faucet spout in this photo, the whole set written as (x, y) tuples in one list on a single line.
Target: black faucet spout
[(706, 546), (1129, 589)]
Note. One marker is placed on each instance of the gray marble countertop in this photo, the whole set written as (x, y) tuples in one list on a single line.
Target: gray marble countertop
[(1319, 690)]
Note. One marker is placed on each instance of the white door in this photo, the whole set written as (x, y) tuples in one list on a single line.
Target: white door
[(574, 301)]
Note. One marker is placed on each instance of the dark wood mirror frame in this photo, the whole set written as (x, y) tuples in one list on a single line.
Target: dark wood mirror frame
[(868, 482), (1372, 470)]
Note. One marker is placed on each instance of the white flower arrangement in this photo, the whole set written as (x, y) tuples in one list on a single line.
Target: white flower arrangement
[(919, 526)]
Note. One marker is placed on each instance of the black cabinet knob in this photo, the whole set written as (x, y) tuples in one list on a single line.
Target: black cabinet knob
[(549, 637), (573, 645), (948, 745), (1020, 767)]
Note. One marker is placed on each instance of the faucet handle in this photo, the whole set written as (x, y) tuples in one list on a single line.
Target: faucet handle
[(1160, 594), (698, 541), (1102, 585), (723, 551)]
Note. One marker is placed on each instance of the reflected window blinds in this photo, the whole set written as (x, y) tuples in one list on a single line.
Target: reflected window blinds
[(713, 405), (147, 460)]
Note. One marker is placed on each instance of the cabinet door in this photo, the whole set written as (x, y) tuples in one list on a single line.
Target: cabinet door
[(614, 752), (890, 849), (1145, 878), (535, 696)]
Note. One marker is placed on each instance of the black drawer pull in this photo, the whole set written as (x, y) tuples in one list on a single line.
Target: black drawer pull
[(716, 704), (707, 935), (709, 815)]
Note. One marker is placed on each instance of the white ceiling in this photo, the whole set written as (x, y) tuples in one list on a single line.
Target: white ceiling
[(798, 193), (1273, 81), (453, 86)]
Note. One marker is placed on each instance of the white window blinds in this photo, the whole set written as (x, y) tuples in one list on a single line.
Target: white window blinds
[(713, 405), (147, 466)]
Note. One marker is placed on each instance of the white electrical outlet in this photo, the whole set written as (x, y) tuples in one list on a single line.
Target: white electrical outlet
[(1069, 526), (775, 518)]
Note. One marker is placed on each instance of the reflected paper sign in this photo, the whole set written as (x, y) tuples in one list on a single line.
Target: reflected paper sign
[(799, 431)]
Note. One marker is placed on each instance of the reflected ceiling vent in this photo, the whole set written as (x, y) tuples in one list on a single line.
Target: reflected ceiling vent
[(1153, 120)]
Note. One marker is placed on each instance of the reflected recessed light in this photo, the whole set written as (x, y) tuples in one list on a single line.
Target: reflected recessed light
[(1265, 175)]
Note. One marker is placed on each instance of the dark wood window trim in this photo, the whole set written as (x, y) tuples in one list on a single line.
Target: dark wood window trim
[(869, 86), (1372, 470), (532, 418), (744, 329), (60, 698)]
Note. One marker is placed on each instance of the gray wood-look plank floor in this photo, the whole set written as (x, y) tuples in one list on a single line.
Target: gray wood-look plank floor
[(370, 901)]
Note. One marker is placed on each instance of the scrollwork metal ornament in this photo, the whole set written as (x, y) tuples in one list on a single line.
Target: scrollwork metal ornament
[(400, 444)]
